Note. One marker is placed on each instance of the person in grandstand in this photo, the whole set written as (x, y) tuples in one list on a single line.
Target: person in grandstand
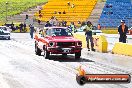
[(24, 25), (122, 29), (31, 30), (88, 32), (55, 22), (21, 27), (48, 24), (68, 3), (51, 21), (79, 22), (59, 24), (64, 23), (99, 27), (72, 6), (64, 12), (12, 26), (39, 22), (72, 27), (26, 17)]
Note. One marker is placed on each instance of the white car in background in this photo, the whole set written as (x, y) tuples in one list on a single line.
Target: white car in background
[(130, 31), (95, 31), (4, 32)]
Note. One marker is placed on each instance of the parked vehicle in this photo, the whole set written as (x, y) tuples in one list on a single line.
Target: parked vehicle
[(95, 31), (4, 33), (130, 31)]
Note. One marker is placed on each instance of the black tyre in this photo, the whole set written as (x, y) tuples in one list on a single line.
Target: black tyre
[(37, 50), (77, 55), (9, 38), (46, 54)]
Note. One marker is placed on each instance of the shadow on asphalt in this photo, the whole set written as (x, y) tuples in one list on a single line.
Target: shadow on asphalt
[(5, 39), (68, 58)]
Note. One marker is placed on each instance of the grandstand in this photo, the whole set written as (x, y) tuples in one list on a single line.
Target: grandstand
[(79, 12), (114, 11), (108, 13)]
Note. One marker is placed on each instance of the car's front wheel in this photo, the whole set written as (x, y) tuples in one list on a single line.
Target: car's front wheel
[(77, 55), (37, 50), (9, 38), (46, 54)]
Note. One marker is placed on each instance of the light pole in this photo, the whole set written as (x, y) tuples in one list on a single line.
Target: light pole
[(6, 10)]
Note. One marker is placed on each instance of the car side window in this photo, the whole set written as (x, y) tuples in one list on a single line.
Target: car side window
[(48, 32)]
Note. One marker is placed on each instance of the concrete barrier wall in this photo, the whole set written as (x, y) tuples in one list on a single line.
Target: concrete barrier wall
[(122, 48), (100, 42)]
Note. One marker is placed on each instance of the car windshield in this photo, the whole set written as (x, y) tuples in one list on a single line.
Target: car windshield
[(58, 32), (3, 28)]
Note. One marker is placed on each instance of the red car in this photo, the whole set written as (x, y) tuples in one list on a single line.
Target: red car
[(57, 40)]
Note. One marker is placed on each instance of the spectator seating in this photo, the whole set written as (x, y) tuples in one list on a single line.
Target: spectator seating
[(115, 11), (78, 10)]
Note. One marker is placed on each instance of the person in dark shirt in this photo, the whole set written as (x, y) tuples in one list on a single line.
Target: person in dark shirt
[(48, 24), (68, 3), (24, 25), (31, 30), (39, 22), (26, 17), (122, 29), (21, 27), (64, 23), (64, 12), (12, 26), (99, 27)]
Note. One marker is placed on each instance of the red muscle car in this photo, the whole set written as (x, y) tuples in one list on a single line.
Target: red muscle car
[(57, 40)]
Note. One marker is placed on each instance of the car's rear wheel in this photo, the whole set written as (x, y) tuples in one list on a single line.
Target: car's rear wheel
[(37, 50), (77, 55)]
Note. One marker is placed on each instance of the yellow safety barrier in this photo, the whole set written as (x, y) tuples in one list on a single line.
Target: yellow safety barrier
[(100, 42), (122, 48)]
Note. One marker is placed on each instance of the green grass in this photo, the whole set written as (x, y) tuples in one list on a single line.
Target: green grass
[(16, 6)]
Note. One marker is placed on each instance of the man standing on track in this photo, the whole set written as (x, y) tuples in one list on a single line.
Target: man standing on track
[(122, 29), (31, 30), (88, 33)]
